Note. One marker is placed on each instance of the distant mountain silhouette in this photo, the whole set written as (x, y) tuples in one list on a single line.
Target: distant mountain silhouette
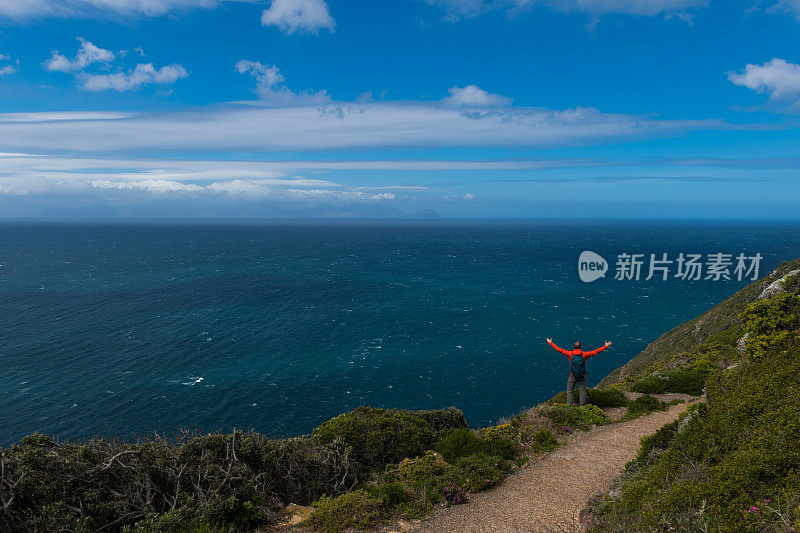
[(425, 213)]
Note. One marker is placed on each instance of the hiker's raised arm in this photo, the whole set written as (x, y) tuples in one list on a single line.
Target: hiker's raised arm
[(556, 348), (598, 350)]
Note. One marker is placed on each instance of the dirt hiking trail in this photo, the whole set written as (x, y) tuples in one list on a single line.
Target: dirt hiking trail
[(549, 492)]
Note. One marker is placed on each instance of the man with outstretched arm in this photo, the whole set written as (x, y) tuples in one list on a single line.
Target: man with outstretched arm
[(577, 368)]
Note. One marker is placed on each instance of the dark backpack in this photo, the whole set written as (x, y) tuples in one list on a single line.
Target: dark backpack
[(577, 366)]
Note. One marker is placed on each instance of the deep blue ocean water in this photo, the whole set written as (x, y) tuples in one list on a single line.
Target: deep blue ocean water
[(126, 328)]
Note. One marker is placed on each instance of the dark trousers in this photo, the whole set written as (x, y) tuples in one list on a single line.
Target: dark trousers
[(581, 381)]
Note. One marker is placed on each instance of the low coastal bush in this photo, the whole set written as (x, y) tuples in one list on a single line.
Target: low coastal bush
[(690, 380), (643, 405), (443, 419), (502, 440), (382, 436), (582, 417), (543, 441), (604, 398), (652, 446), (391, 494), (459, 443), (432, 480), (422, 471), (354, 510), (499, 432), (480, 472), (529, 424), (771, 322)]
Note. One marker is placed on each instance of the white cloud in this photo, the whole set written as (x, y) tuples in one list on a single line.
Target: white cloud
[(291, 16), (779, 78), (263, 173), (474, 96), (790, 7), (143, 74), (156, 186), (469, 8), (87, 55), (237, 189), (333, 126), (10, 67), (47, 116), (271, 89), (100, 9)]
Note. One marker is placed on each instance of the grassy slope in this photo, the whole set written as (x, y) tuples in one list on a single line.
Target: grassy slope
[(690, 334)]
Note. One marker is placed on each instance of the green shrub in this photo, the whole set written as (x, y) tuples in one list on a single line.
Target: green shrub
[(453, 493), (643, 405), (529, 422), (792, 284), (357, 510), (507, 449), (443, 419), (463, 442), (683, 380), (657, 442), (543, 441), (582, 417), (479, 472), (499, 432), (502, 440), (604, 398), (770, 323), (458, 443), (391, 494), (378, 436), (234, 512), (421, 472)]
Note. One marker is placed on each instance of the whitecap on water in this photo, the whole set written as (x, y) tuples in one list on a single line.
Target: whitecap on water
[(194, 381)]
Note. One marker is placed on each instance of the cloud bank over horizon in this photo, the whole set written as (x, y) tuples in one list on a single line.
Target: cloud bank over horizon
[(471, 107)]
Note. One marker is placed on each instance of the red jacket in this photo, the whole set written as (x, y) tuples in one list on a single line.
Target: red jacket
[(570, 353)]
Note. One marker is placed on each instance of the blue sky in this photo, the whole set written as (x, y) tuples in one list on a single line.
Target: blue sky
[(472, 108)]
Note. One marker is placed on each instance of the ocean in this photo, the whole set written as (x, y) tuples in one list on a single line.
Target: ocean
[(127, 328)]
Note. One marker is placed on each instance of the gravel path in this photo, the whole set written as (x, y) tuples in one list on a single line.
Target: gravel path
[(535, 499)]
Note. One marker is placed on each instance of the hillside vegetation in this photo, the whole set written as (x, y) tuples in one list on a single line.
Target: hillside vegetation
[(357, 470), (733, 463)]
